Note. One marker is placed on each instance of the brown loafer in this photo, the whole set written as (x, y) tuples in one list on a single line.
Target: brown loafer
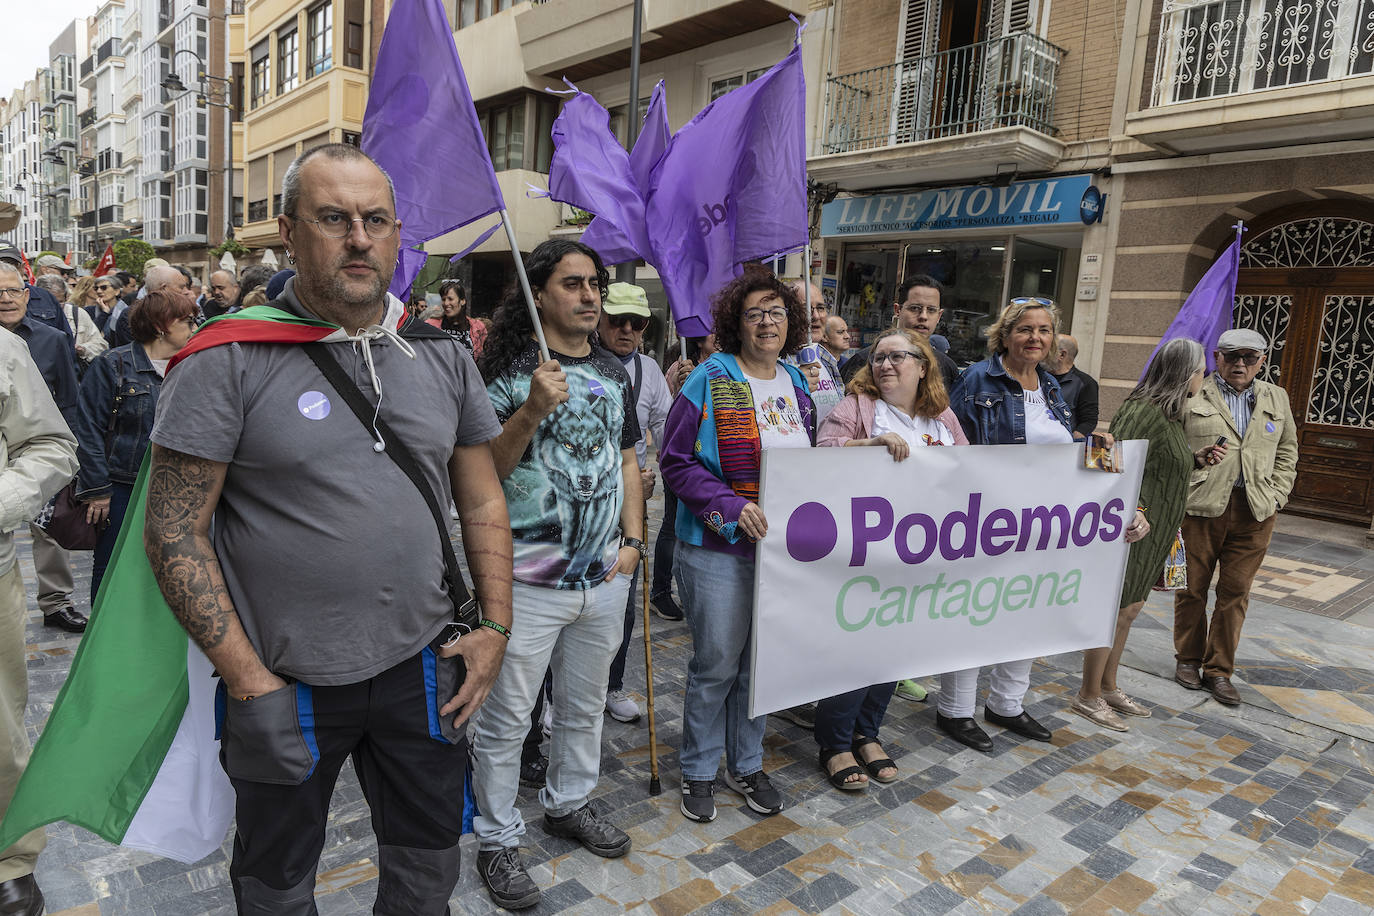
[(1221, 690), (1187, 675)]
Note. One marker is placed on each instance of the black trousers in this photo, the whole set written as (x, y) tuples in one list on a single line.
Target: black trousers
[(413, 783)]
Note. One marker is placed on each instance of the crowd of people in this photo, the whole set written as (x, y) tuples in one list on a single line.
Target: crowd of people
[(330, 612)]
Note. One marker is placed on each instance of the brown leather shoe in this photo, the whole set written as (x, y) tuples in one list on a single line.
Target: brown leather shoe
[(1187, 675), (1221, 689)]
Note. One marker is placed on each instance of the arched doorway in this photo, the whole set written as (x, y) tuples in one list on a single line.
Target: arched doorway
[(1307, 283)]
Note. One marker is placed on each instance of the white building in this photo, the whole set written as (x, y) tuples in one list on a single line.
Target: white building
[(102, 131)]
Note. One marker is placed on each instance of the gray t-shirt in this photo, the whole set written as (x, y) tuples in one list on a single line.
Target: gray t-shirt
[(329, 552)]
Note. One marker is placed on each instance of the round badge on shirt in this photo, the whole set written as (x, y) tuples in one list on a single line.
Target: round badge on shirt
[(313, 405)]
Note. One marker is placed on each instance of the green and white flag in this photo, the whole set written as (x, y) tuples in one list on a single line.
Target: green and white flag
[(129, 751)]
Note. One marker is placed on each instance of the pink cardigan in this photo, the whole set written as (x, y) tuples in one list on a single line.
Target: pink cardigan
[(852, 418)]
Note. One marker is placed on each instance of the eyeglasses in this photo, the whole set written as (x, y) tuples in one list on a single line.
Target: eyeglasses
[(922, 309), (104, 287), (12, 293), (1248, 358), (337, 226), (1038, 300), (636, 322), (895, 357), (755, 316)]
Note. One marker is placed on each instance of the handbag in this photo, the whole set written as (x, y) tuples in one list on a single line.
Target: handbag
[(1174, 576), (465, 608), (64, 520)]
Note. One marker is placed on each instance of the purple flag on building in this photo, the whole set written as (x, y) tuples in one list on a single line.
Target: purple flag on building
[(615, 246), (731, 187), (1207, 312), (421, 127), (591, 170)]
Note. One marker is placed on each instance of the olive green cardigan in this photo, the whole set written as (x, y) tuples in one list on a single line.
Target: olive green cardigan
[(1163, 492)]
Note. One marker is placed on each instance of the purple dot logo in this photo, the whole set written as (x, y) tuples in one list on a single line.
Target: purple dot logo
[(313, 405), (811, 533), (596, 388)]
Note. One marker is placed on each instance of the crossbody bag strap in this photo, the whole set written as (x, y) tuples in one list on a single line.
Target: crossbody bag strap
[(465, 609)]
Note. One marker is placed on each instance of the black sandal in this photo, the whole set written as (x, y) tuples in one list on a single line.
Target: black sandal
[(874, 767), (839, 779)]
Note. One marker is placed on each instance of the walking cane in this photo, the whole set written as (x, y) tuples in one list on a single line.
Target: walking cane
[(655, 787)]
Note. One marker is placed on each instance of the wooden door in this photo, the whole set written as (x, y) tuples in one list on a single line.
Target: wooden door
[(1320, 321)]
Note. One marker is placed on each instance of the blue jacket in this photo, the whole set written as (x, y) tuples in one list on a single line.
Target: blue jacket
[(118, 401), (991, 407), (55, 356)]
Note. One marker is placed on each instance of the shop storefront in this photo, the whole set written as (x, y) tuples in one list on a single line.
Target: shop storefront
[(984, 243)]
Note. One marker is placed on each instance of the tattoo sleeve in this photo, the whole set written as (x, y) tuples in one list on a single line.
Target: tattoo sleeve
[(182, 493)]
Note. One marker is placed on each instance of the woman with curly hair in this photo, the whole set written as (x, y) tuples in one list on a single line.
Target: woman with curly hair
[(740, 401)]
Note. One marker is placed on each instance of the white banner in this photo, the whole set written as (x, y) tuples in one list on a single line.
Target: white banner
[(874, 570)]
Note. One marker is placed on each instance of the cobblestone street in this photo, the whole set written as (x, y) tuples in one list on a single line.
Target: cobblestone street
[(1200, 809)]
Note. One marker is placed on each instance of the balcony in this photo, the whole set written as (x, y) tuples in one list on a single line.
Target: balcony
[(111, 214), (584, 38), (87, 118), (948, 116), (88, 66), (1232, 74), (87, 220)]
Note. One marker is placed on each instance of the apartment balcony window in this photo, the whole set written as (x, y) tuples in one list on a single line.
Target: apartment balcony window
[(261, 74), (504, 128), (321, 38), (1210, 48), (353, 34), (257, 210), (1005, 82), (288, 61), (721, 86)]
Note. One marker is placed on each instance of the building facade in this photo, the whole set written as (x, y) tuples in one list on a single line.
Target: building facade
[(22, 138), (1256, 112), (101, 125), (304, 67)]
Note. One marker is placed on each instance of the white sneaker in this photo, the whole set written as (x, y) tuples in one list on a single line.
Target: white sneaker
[(622, 706)]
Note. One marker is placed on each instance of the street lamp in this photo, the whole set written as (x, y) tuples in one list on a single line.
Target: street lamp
[(174, 85)]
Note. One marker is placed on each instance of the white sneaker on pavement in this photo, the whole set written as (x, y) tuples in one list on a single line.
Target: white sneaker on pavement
[(621, 706)]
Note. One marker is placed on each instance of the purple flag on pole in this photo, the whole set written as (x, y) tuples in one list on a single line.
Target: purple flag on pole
[(591, 170), (421, 127), (731, 187), (615, 246), (1207, 311)]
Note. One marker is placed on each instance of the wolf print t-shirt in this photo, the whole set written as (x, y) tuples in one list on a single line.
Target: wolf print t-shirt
[(564, 496), (775, 410)]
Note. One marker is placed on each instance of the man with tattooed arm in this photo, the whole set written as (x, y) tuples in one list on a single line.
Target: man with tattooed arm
[(319, 593)]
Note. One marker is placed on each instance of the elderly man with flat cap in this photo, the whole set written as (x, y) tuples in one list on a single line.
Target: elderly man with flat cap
[(1233, 500)]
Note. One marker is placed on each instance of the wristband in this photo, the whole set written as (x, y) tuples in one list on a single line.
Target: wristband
[(492, 624)]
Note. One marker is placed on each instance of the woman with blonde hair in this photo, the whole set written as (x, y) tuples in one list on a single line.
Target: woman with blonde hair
[(83, 294), (896, 401)]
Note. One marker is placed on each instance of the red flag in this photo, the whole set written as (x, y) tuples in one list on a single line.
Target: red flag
[(107, 264), (28, 271)]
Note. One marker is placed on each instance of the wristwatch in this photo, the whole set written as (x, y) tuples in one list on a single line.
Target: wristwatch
[(637, 544)]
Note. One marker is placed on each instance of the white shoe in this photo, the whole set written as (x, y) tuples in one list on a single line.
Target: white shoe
[(622, 707)]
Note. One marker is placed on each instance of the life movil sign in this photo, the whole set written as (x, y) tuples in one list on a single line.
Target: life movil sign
[(1043, 202)]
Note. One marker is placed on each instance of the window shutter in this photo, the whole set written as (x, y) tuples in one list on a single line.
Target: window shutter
[(918, 39)]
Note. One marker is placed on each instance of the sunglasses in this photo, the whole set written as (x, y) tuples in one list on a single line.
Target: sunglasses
[(635, 322), (1038, 300), (1248, 358)]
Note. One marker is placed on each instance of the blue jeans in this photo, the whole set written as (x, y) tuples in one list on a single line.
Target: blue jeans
[(574, 633), (100, 559), (717, 592), (663, 546), (858, 713), (617, 680)]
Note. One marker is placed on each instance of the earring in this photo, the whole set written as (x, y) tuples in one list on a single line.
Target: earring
[(290, 258)]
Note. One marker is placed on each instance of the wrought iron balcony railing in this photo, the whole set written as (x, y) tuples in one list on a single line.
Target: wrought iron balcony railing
[(1006, 82), (1210, 48)]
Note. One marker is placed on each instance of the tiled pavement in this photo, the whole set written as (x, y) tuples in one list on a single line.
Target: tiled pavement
[(1200, 809)]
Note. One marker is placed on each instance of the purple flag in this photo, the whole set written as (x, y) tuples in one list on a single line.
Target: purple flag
[(421, 127), (731, 187), (591, 170), (409, 263), (615, 246), (1207, 311)]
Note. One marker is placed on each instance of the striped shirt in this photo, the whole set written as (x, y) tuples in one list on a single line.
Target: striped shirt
[(1242, 406)]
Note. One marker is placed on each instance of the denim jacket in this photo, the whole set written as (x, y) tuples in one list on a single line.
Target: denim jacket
[(991, 407), (117, 404)]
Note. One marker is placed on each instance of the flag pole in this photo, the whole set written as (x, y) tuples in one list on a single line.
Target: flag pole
[(525, 285)]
